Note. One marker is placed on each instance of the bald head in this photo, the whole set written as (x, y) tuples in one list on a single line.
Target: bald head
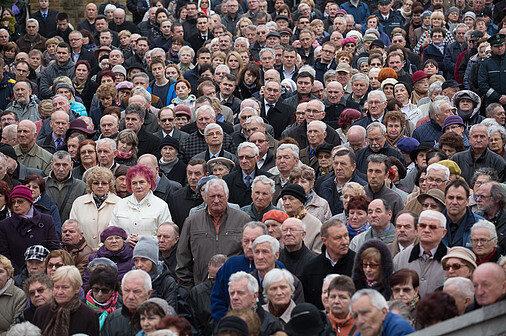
[(356, 137), (489, 283)]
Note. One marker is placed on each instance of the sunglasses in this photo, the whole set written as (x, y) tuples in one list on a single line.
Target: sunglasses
[(431, 226), (456, 267)]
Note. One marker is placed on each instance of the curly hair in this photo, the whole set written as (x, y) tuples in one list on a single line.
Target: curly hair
[(106, 90), (105, 276), (129, 137), (7, 265), (434, 308), (180, 323), (99, 174), (343, 53), (394, 116), (453, 140), (139, 170)]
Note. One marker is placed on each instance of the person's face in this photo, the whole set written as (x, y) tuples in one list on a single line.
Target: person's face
[(478, 138), (167, 239), (267, 60), (140, 186), (285, 160), (62, 55), (372, 269), (225, 42), (22, 72), (143, 264), (185, 57), (456, 128), (34, 267), (430, 69), (216, 199), (261, 195), (455, 267), (314, 111), (315, 135), (484, 198), (227, 87), (368, 318), (39, 294), (263, 257), (394, 129), (133, 122), (430, 231), (343, 168), (334, 93), (436, 22), (214, 137), (247, 159), (53, 264), (378, 217), (4, 38), (280, 293), (108, 126), (134, 293), (376, 107), (456, 201), (466, 104), (357, 217), (431, 204), (272, 92), (149, 322), (120, 183), (339, 303), (22, 91), (306, 40), (88, 156), (376, 139), (82, 72), (359, 88), (194, 174), (114, 243), (289, 59), (292, 205), (32, 29), (240, 296), (100, 188), (91, 11), (498, 50), (292, 233), (70, 233), (483, 244), (64, 291), (62, 25), (26, 135), (495, 142), (337, 240), (404, 292)]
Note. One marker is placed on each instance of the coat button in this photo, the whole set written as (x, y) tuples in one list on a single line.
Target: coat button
[(31, 236), (94, 237), (422, 279)]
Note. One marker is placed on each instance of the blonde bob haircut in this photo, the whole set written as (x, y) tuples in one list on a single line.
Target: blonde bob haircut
[(70, 273), (99, 174), (6, 263)]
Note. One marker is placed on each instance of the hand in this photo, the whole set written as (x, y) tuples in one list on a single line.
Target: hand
[(132, 240), (502, 99), (261, 93), (296, 44), (426, 42)]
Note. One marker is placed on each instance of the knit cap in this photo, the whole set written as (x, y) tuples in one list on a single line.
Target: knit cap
[(21, 191), (147, 247)]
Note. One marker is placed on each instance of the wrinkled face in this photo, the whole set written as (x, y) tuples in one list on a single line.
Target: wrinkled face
[(149, 322), (292, 233), (70, 233), (339, 303), (293, 206), (26, 135), (404, 292), (280, 293), (194, 174), (34, 267), (431, 204), (140, 186), (62, 167), (167, 238), (478, 138), (62, 55), (39, 294), (484, 198), (64, 291), (214, 137), (261, 195), (61, 104), (216, 199), (315, 135), (108, 126), (483, 243), (285, 160), (379, 217), (343, 168), (314, 111), (133, 122), (488, 288), (22, 91), (263, 256), (240, 296), (455, 267), (376, 174), (88, 155), (495, 142), (394, 128), (100, 187), (247, 159), (376, 106), (368, 318), (359, 88), (32, 28), (337, 240), (114, 243), (436, 179), (324, 161), (105, 154), (134, 292), (358, 217), (430, 231)]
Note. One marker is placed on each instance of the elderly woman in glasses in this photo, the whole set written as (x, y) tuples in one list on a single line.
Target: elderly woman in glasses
[(94, 210), (278, 285), (484, 240), (459, 262)]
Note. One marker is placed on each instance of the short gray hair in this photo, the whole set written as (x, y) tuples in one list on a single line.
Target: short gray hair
[(33, 21), (140, 91), (485, 224), (437, 166), (140, 274), (254, 118), (436, 215), (212, 126), (475, 126), (277, 275), (247, 144), (269, 50), (71, 221), (377, 300), (464, 287), (24, 329), (265, 180), (494, 128), (254, 225), (320, 124), (436, 86), (375, 125), (187, 48), (205, 108), (213, 182), (377, 93), (248, 109), (107, 141), (359, 76), (307, 68), (435, 106), (273, 243), (242, 39), (295, 150), (61, 154), (252, 282), (222, 66)]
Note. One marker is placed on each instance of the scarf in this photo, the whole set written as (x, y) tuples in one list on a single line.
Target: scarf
[(99, 200), (166, 167), (79, 87), (126, 156), (412, 304), (353, 232), (371, 283), (393, 142), (278, 311), (345, 324), (60, 319), (486, 259), (104, 308), (302, 214)]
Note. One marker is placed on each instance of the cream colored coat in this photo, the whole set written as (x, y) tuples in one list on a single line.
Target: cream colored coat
[(142, 220), (93, 220)]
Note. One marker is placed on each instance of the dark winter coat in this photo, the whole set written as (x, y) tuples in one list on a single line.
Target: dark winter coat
[(200, 301), (386, 264), (83, 321), (328, 191), (46, 206), (118, 323), (17, 234), (164, 285), (122, 258), (240, 193), (297, 260)]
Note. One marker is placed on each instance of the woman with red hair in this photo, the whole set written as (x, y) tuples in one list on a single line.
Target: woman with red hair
[(141, 213)]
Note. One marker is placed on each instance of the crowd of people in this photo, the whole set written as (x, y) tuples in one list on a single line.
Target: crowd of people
[(251, 167)]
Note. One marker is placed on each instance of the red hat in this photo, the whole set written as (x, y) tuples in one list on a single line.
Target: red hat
[(386, 73), (184, 110), (277, 215), (418, 75), (21, 191)]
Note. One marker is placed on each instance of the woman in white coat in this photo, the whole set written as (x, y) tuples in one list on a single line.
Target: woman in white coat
[(94, 210), (141, 213)]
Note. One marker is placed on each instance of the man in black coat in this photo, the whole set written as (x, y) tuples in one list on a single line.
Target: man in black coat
[(46, 18), (294, 255), (78, 53), (202, 34), (134, 120), (203, 57), (277, 114), (336, 258), (240, 180)]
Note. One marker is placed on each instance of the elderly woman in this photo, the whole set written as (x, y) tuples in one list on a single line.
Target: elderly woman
[(12, 299), (278, 285), (349, 190), (170, 164), (56, 259), (114, 248), (373, 267), (120, 181), (404, 285), (484, 240), (127, 142), (357, 215), (149, 314), (26, 227), (87, 154), (395, 124), (41, 200), (39, 290), (103, 294), (5, 191), (66, 314), (220, 166), (497, 140), (94, 210), (142, 212), (106, 94), (459, 262), (315, 205), (346, 119)]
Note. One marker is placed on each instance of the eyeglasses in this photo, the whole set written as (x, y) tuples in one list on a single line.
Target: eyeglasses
[(37, 290), (437, 181), (96, 290), (370, 265), (456, 267), (58, 265), (481, 241), (431, 226)]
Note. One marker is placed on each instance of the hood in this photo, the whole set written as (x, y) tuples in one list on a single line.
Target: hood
[(467, 94), (387, 265)]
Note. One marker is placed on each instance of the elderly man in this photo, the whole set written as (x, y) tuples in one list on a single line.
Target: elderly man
[(257, 124), (489, 284), (221, 223), (287, 157), (336, 257), (432, 130), (425, 257), (267, 159), (239, 135), (326, 62), (32, 39), (462, 290), (56, 139), (63, 66), (359, 86), (334, 103), (166, 120), (262, 192), (496, 111), (119, 23), (315, 110), (240, 181), (294, 198), (134, 120), (437, 176), (10, 135), (458, 215), (316, 133), (274, 110), (213, 136), (376, 136), (484, 242), (109, 127), (343, 163), (106, 152), (243, 292), (73, 241), (29, 153), (78, 52), (357, 137), (24, 104), (168, 237), (406, 232), (377, 103), (379, 217), (479, 155), (294, 255), (17, 171), (369, 309), (61, 187), (136, 288)]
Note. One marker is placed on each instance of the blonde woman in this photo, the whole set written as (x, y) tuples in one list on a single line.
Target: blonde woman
[(12, 299), (234, 62)]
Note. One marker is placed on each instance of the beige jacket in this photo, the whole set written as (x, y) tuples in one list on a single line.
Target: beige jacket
[(93, 220), (313, 238), (12, 302), (36, 157)]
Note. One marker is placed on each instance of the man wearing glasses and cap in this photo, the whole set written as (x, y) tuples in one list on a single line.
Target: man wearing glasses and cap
[(492, 72)]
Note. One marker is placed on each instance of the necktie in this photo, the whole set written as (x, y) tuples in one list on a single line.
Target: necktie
[(269, 108), (426, 255), (44, 15), (248, 180), (58, 143)]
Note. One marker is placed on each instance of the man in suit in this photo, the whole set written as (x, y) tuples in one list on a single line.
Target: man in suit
[(166, 120), (202, 34), (289, 61), (46, 18), (134, 120), (274, 111), (56, 139), (78, 52), (240, 180), (267, 159), (213, 135)]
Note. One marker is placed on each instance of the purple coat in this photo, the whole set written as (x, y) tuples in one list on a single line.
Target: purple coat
[(18, 233), (123, 259)]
